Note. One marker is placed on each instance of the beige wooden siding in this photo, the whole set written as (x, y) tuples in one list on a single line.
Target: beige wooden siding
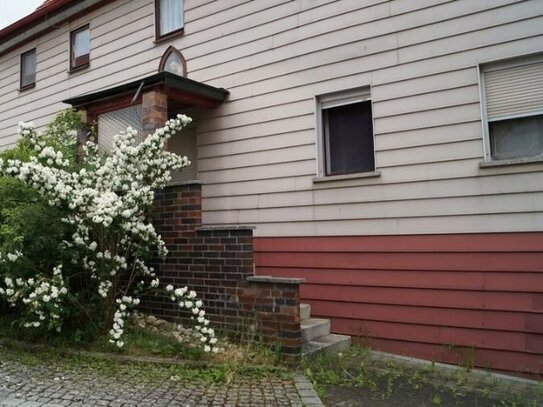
[(257, 151)]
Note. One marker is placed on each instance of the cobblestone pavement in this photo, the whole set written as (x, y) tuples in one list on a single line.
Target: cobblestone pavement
[(38, 385)]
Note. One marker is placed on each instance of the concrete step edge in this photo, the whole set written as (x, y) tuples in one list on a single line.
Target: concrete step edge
[(313, 328), (332, 343), (305, 312)]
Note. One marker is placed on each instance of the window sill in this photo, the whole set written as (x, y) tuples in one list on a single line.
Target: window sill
[(169, 36), (77, 69), (514, 161), (188, 182), (345, 177), (27, 87)]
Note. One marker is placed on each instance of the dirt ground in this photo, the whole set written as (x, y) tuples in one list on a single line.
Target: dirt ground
[(404, 396), (359, 378)]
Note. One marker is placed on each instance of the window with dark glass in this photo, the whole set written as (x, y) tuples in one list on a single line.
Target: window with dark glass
[(169, 17), (348, 138), (80, 48), (28, 69)]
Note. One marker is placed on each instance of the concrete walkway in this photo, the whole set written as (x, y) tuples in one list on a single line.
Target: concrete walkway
[(38, 385)]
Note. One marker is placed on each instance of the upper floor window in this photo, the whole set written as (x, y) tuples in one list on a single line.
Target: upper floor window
[(80, 48), (346, 133), (169, 17), (513, 106), (28, 69)]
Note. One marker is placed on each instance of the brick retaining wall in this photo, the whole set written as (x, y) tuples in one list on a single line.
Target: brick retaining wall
[(217, 262)]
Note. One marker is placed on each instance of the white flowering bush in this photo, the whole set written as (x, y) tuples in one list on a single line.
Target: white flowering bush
[(101, 264), (42, 296)]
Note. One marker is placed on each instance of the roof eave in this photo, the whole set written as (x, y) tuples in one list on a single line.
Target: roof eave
[(44, 19), (165, 79)]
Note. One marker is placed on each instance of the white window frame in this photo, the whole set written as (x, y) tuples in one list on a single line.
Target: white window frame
[(488, 67), (335, 99)]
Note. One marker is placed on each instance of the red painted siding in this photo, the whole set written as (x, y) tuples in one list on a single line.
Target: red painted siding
[(442, 297)]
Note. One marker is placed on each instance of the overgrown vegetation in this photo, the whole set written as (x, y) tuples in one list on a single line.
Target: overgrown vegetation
[(27, 221), (143, 342), (76, 236), (149, 372), (356, 375)]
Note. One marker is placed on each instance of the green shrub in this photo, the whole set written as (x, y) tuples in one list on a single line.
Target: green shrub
[(74, 249)]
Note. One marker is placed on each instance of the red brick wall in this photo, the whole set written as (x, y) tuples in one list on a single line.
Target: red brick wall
[(216, 263), (155, 110), (275, 303)]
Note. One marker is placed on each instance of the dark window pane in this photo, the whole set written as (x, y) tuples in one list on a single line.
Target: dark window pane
[(348, 133), (28, 68), (522, 137)]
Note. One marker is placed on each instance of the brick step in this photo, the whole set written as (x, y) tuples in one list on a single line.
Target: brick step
[(331, 343), (314, 328), (305, 311)]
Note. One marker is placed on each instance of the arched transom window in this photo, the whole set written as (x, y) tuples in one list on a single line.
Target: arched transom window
[(172, 61)]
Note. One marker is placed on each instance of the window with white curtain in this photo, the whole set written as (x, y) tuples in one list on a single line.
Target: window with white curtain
[(80, 48), (513, 106), (169, 17), (28, 69)]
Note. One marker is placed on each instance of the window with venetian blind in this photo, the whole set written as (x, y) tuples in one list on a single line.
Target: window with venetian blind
[(513, 105)]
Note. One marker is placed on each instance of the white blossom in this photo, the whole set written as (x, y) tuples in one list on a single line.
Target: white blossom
[(111, 194)]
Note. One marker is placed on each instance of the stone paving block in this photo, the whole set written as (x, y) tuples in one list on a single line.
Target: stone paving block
[(12, 402), (53, 386)]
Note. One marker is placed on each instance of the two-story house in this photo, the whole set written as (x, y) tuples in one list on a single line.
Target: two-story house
[(390, 152)]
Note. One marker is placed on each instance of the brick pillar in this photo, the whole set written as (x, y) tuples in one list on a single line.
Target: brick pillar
[(177, 212), (155, 110), (274, 303)]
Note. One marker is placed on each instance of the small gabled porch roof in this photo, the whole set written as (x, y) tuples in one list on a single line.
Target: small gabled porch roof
[(181, 91)]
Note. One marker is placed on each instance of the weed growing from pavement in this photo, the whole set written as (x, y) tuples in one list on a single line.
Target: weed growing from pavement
[(151, 372), (249, 360), (389, 380), (146, 342), (249, 344)]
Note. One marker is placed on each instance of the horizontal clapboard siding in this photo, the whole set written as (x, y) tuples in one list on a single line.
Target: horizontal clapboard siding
[(422, 293), (257, 151)]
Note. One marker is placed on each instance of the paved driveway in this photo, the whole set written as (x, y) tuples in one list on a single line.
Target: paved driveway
[(39, 385)]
